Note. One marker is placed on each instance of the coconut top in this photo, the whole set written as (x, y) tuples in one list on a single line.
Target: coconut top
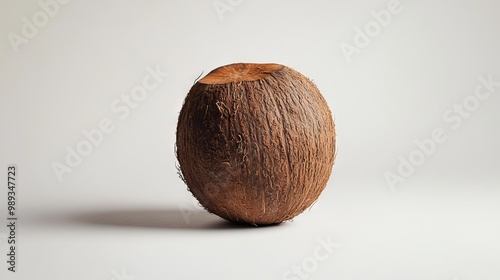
[(240, 72)]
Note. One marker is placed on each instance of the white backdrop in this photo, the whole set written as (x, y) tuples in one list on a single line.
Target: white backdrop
[(90, 93)]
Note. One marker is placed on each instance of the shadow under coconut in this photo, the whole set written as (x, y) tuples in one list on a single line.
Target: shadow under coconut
[(160, 219)]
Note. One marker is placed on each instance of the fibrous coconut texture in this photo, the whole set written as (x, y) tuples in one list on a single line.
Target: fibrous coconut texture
[(255, 142)]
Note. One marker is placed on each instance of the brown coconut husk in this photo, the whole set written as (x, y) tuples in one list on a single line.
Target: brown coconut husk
[(255, 142)]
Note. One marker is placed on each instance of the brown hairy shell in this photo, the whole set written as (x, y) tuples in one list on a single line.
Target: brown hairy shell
[(255, 142)]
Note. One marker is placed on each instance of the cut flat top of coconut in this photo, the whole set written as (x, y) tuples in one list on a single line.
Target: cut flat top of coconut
[(240, 72)]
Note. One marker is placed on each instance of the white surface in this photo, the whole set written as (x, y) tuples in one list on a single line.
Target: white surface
[(124, 210)]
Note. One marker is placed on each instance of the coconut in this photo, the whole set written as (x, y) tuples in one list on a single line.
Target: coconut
[(255, 142)]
